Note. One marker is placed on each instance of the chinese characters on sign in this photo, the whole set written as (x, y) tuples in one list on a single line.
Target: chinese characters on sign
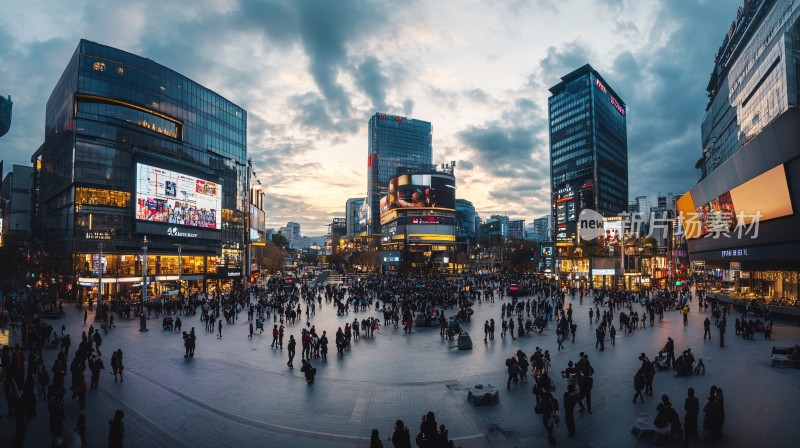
[(719, 224)]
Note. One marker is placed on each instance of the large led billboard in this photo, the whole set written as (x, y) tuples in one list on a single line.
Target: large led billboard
[(174, 198), (764, 197), (420, 191)]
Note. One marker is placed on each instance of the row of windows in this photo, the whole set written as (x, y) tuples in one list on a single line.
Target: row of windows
[(571, 147), (571, 156), (106, 198), (568, 139), (577, 119), (576, 113), (607, 177), (569, 109)]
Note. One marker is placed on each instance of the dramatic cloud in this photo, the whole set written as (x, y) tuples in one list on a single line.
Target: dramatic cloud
[(310, 74)]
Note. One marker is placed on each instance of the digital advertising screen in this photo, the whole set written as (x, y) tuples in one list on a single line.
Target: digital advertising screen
[(613, 233), (170, 197), (420, 191)]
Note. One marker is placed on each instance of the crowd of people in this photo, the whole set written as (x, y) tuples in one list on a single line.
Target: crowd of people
[(404, 301)]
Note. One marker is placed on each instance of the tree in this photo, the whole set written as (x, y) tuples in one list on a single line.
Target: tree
[(281, 241), (271, 257)]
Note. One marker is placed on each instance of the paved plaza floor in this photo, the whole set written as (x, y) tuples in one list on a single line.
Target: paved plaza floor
[(239, 392)]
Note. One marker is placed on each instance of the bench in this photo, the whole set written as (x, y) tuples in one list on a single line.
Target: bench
[(782, 357)]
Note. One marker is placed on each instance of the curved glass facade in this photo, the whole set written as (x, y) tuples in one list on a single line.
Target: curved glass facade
[(110, 111), (5, 115)]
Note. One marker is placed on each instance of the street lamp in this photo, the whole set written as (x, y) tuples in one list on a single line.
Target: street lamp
[(180, 267), (142, 315), (99, 279)]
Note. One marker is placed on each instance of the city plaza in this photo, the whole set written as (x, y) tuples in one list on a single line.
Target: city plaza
[(238, 391)]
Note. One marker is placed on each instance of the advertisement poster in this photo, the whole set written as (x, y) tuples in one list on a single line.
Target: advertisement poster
[(175, 198)]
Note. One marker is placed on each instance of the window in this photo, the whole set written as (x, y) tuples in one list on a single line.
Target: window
[(99, 66), (105, 198)]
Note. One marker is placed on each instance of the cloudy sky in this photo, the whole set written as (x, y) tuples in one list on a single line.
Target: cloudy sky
[(311, 73)]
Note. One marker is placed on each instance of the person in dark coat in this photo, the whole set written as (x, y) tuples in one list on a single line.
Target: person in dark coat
[(401, 438), (570, 401), (692, 408), (116, 430)]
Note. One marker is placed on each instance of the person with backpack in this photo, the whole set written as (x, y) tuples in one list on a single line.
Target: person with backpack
[(548, 406), (523, 366), (513, 372)]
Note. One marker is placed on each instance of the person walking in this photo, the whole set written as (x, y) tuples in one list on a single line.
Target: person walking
[(486, 331), (491, 329), (613, 333), (706, 329), (219, 334), (570, 401), (274, 336), (638, 385), (251, 331), (292, 344), (685, 314), (692, 408), (722, 332), (511, 328), (116, 430), (192, 343)]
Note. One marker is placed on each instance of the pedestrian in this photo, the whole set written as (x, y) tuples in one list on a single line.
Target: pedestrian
[(706, 329), (219, 334), (571, 399), (375, 440), (591, 314), (192, 342), (251, 331), (722, 332), (685, 314), (549, 408), (692, 408), (80, 428), (491, 329), (613, 333), (486, 331), (116, 430), (638, 385), (511, 328), (292, 344), (401, 438), (560, 339), (274, 336), (85, 316), (323, 345), (513, 372)]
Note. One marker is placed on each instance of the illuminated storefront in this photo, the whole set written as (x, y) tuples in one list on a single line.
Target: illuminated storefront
[(135, 151), (741, 221)]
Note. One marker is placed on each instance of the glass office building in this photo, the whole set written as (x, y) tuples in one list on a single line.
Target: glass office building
[(754, 80), (136, 152), (741, 218), (394, 142), (5, 114), (588, 150)]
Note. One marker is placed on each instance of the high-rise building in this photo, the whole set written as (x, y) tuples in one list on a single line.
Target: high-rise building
[(516, 229), (5, 114), (741, 219), (394, 142), (755, 78), (292, 234), (354, 215), (15, 194), (466, 222), (542, 228), (588, 150), (136, 152)]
